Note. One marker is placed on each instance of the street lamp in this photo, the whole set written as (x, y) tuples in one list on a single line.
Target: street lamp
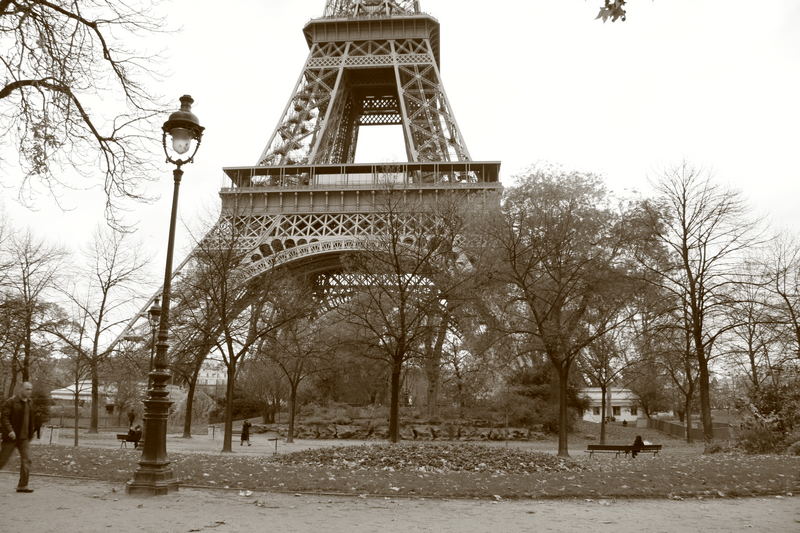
[(153, 315), (154, 475)]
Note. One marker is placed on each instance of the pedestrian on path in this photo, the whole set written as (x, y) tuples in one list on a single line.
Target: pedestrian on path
[(245, 432), (17, 427)]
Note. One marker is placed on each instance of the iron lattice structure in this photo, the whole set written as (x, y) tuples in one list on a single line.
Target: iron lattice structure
[(306, 202), (370, 63), (370, 8)]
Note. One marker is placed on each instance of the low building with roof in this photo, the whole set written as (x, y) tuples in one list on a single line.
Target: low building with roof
[(621, 404)]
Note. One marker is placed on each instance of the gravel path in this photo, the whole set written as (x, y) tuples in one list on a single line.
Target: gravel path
[(87, 506)]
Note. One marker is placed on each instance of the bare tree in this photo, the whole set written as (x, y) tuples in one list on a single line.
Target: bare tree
[(60, 55), (235, 315), (782, 273), (78, 369), (403, 286), (188, 357), (264, 381), (298, 349), (33, 276), (706, 230), (674, 349), (113, 272), (468, 365), (604, 362), (563, 259), (193, 336), (753, 342)]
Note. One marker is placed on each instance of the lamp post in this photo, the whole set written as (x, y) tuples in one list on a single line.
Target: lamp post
[(153, 315), (152, 318), (154, 475)]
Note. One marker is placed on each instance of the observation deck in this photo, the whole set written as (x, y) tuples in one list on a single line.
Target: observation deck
[(354, 187)]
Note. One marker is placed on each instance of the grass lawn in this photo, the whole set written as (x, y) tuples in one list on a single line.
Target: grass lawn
[(468, 471)]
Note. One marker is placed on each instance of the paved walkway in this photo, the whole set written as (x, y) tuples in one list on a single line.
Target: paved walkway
[(79, 506)]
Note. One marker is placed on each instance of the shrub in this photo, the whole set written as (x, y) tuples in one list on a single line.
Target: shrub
[(242, 408), (775, 418), (793, 449), (716, 447), (757, 438)]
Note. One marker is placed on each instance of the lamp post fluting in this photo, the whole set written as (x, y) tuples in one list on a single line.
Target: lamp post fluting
[(154, 475), (153, 315)]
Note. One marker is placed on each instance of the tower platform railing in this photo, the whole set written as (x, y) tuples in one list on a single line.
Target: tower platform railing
[(364, 176)]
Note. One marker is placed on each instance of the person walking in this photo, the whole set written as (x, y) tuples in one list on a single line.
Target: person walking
[(16, 427), (245, 432)]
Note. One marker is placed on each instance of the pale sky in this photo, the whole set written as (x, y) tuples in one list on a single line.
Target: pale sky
[(714, 82)]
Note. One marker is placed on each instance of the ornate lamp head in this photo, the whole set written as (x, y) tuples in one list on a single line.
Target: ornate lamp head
[(154, 313), (184, 129)]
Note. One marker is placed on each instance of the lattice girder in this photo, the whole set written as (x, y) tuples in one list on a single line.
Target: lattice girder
[(305, 204), (370, 8), (350, 82), (292, 238)]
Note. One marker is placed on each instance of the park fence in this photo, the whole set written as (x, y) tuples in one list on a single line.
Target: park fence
[(721, 431)]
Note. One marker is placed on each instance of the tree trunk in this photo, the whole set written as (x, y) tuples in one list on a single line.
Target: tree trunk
[(292, 407), (460, 398), (433, 368), (187, 418), (14, 371), (563, 415), (433, 392), (603, 414), (26, 354), (688, 416), (394, 402), (229, 387), (274, 409), (705, 401), (754, 370), (93, 425), (76, 412)]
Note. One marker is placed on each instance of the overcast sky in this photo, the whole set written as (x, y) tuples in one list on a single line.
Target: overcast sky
[(716, 83)]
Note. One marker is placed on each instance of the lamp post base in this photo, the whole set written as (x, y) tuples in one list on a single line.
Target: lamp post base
[(152, 480)]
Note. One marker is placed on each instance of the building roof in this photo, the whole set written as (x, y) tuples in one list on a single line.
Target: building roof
[(84, 391), (614, 395)]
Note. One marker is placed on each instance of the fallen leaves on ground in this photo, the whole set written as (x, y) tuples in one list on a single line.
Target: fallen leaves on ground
[(435, 458), (411, 470)]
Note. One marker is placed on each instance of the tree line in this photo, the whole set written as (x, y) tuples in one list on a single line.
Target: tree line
[(517, 302)]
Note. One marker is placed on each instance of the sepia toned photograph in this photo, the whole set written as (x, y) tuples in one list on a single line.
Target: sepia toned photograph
[(399, 266)]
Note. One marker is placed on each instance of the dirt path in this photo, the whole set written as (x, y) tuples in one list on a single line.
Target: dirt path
[(79, 506)]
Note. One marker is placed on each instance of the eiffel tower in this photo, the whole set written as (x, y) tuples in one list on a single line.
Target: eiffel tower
[(306, 202), (370, 63)]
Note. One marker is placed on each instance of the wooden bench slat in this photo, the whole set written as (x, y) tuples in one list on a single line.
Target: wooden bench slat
[(622, 448)]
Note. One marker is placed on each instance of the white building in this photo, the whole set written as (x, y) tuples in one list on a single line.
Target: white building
[(621, 404), (212, 374), (66, 396)]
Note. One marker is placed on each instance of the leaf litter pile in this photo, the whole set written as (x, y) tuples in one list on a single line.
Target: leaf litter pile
[(438, 458), (447, 471)]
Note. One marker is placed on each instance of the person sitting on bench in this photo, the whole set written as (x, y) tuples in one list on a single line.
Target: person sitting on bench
[(638, 444), (135, 435)]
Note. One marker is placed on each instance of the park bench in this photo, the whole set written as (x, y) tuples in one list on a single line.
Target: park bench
[(125, 438), (618, 449)]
